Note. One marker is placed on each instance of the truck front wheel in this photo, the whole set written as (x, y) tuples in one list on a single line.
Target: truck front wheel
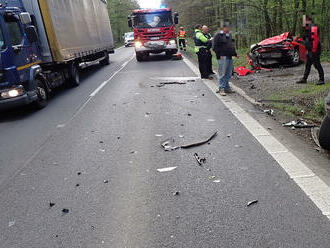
[(106, 60), (42, 100), (324, 136), (139, 57), (74, 78)]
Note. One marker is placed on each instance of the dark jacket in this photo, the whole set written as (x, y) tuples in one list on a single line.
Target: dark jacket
[(223, 45), (312, 39)]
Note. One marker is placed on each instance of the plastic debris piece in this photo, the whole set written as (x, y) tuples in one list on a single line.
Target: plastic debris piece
[(167, 147), (79, 173), (229, 135), (167, 169), (105, 181), (212, 177), (65, 210), (77, 185), (51, 204), (300, 123), (252, 202), (133, 152), (162, 84), (200, 143), (189, 114), (147, 114), (210, 120), (199, 160), (158, 135), (176, 193), (101, 142), (11, 223), (216, 181), (269, 112), (102, 150)]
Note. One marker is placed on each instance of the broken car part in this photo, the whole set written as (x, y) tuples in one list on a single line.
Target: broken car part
[(199, 160)]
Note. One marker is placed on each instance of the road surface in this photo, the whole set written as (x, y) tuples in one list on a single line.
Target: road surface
[(84, 172)]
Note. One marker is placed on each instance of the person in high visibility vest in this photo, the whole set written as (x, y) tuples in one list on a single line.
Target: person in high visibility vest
[(201, 49), (182, 39)]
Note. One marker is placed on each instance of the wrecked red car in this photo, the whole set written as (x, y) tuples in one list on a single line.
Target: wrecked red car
[(279, 50)]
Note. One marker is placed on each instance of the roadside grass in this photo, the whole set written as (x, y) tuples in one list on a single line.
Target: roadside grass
[(325, 56), (308, 102)]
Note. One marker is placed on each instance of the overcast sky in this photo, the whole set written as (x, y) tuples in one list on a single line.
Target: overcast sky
[(149, 3)]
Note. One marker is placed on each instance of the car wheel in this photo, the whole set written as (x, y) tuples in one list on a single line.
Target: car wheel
[(324, 135), (296, 57), (42, 100)]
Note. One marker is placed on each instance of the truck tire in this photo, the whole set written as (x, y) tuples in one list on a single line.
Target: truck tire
[(42, 100), (106, 60), (74, 79), (324, 135), (139, 57)]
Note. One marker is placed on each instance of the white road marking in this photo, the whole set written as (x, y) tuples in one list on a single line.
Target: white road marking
[(317, 190)]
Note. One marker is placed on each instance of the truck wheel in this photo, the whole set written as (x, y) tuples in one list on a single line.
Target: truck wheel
[(139, 57), (74, 78), (106, 60), (324, 135), (42, 100)]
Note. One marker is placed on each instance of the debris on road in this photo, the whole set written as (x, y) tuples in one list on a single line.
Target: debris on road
[(300, 123), (158, 135), (229, 135), (167, 147), (79, 173), (176, 193), (101, 142), (199, 160), (212, 177), (216, 181), (252, 203), (147, 114), (269, 112), (162, 84), (11, 223), (167, 169), (189, 114), (77, 185), (51, 204), (133, 152), (105, 181), (65, 210)]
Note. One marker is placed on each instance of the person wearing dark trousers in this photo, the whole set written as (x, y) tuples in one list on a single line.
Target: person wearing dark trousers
[(182, 39), (313, 46), (206, 33), (224, 48), (201, 44)]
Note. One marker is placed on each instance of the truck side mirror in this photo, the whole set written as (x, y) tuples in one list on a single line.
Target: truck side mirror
[(31, 34), (129, 20), (176, 18), (25, 17)]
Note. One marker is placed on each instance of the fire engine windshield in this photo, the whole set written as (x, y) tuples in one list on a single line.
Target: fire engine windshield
[(153, 20)]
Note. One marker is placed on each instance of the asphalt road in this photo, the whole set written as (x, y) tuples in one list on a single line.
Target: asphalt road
[(97, 157)]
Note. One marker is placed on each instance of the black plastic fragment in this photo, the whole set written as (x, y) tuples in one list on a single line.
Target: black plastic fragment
[(252, 203)]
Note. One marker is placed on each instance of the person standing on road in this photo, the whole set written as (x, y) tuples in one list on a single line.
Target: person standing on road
[(223, 46), (313, 46), (182, 39), (201, 44), (205, 30)]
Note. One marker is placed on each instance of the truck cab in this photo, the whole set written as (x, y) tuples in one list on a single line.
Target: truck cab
[(19, 57), (154, 31)]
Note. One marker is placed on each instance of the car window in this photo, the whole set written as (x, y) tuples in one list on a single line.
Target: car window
[(15, 33)]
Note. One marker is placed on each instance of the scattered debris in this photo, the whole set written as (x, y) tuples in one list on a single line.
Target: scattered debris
[(11, 223), (269, 112), (167, 169), (167, 147), (229, 135), (133, 152), (212, 177), (158, 135), (176, 193), (169, 83), (79, 173), (147, 114), (65, 210), (199, 160), (252, 86), (102, 150), (238, 146), (252, 202), (51, 204), (181, 136), (77, 185), (210, 120), (300, 123), (216, 181), (101, 142), (118, 137), (105, 181), (189, 114)]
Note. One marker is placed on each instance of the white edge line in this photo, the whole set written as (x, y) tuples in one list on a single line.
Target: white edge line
[(316, 189)]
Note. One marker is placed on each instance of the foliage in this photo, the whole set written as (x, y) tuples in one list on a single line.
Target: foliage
[(254, 20), (118, 12)]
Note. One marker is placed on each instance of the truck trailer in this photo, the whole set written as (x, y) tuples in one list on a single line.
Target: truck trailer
[(44, 43)]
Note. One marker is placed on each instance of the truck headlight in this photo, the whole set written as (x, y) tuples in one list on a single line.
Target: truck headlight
[(11, 93), (138, 44), (172, 42)]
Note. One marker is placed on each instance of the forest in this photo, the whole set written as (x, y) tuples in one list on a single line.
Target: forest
[(254, 20), (118, 12)]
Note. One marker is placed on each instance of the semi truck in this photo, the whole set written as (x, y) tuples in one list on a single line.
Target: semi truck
[(154, 31), (44, 44)]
